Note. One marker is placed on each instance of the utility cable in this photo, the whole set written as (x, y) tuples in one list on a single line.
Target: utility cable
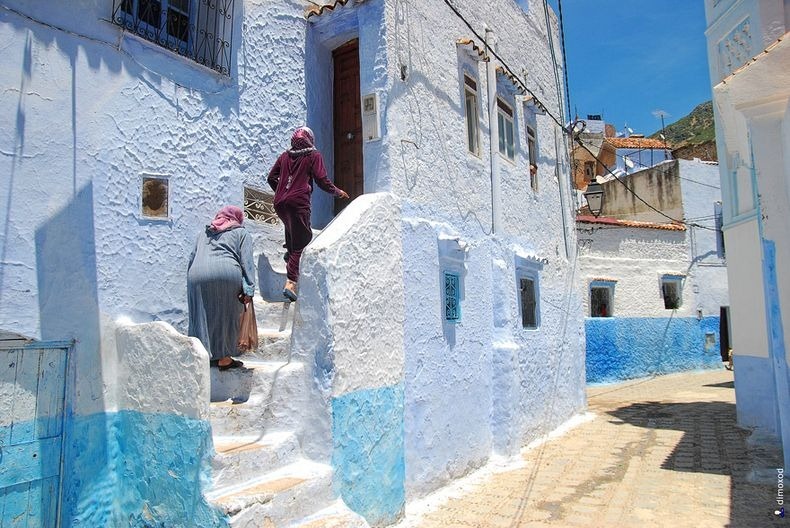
[(558, 122), (691, 224), (564, 58)]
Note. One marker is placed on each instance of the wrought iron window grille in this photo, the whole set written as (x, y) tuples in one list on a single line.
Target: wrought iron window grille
[(259, 206), (201, 30)]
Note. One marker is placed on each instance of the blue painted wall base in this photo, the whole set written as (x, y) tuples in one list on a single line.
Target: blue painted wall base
[(368, 456), (621, 348), (138, 470)]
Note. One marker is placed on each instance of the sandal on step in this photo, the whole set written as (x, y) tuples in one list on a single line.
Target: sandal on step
[(234, 364)]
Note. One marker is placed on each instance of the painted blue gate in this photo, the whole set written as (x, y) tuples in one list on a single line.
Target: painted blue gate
[(32, 394)]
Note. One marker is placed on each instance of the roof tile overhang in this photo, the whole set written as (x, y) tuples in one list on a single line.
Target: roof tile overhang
[(515, 81), (318, 10), (471, 47), (616, 222), (636, 143)]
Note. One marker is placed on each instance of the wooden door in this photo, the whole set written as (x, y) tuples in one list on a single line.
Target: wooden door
[(347, 123), (32, 384)]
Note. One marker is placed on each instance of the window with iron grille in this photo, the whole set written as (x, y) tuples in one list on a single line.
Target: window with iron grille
[(671, 291), (528, 294), (259, 206), (199, 29), (452, 297), (601, 299)]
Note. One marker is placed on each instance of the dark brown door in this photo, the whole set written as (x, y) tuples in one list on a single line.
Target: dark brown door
[(347, 122)]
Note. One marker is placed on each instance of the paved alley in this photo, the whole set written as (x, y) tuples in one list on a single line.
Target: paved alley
[(658, 452)]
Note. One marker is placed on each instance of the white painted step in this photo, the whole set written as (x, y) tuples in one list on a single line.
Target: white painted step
[(273, 345), (278, 395), (338, 515), (242, 458), (277, 498), (273, 315), (256, 378)]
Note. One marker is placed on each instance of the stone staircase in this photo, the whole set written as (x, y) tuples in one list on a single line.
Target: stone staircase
[(260, 476)]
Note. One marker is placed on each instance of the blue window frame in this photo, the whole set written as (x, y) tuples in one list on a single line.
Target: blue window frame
[(452, 297)]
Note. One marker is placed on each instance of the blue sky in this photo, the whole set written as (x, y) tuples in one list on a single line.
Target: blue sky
[(628, 58)]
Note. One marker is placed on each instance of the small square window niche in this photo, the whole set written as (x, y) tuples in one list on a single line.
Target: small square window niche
[(529, 302), (672, 291), (155, 197), (601, 299), (452, 297)]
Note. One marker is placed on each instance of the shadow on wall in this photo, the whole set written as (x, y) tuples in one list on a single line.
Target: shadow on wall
[(713, 444), (69, 308)]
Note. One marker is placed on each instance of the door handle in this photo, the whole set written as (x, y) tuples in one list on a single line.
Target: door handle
[(350, 136)]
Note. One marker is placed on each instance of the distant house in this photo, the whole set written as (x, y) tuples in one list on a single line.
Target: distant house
[(654, 288), (633, 153), (749, 60), (604, 152)]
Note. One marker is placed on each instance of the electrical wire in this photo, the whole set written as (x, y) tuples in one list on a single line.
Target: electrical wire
[(558, 122), (564, 58), (690, 224)]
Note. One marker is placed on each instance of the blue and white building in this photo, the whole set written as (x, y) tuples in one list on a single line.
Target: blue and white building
[(439, 321), (655, 287), (749, 58)]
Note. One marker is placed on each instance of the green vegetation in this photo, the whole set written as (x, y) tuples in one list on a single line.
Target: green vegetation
[(695, 128)]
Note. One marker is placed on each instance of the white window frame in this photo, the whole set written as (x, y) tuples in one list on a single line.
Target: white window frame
[(603, 285), (675, 281), (506, 124), (532, 153), (472, 121)]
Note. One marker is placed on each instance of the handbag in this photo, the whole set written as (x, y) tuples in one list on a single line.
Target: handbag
[(248, 329)]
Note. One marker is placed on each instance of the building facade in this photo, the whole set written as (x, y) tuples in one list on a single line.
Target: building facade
[(749, 60), (436, 311), (655, 288)]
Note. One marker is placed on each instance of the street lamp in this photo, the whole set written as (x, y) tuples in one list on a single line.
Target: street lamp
[(594, 197)]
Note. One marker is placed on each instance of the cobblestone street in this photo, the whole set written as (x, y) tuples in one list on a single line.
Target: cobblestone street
[(657, 452)]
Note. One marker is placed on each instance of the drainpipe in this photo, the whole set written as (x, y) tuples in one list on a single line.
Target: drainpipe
[(493, 130)]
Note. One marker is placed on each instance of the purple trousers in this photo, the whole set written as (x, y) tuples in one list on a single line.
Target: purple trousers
[(297, 235)]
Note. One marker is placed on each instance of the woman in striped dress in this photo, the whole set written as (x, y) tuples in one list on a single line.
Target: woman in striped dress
[(220, 279)]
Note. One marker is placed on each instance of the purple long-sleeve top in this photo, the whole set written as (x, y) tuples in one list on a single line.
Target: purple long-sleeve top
[(292, 177)]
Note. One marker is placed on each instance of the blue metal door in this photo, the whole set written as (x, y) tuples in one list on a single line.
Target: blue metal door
[(32, 394)]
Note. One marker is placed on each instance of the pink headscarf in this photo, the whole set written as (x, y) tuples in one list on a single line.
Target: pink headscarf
[(302, 140), (227, 217)]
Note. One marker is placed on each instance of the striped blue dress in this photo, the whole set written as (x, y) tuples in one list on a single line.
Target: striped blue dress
[(220, 268)]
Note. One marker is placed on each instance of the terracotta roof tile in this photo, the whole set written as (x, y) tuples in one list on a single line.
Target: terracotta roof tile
[(471, 46), (636, 143), (315, 10), (605, 220)]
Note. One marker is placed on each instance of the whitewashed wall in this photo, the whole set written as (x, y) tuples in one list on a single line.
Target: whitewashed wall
[(485, 384), (748, 56)]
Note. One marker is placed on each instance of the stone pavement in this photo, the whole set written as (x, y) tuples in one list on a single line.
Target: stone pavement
[(660, 452)]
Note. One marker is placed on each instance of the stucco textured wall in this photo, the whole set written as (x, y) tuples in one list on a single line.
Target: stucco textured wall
[(147, 462), (349, 327), (621, 348)]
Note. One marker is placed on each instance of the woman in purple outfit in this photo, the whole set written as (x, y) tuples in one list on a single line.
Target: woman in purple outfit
[(292, 180)]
